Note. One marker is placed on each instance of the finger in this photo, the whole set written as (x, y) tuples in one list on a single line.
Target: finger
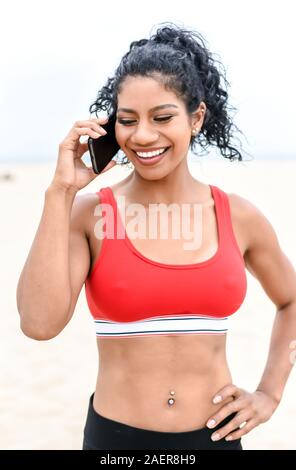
[(84, 145), (89, 128), (249, 425), (226, 392), (232, 407), (81, 131), (99, 119), (233, 425), (96, 121), (90, 121), (92, 124)]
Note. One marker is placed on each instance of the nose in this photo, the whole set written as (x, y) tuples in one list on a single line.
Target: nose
[(144, 135)]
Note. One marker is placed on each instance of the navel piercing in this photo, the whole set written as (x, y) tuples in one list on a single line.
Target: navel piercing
[(171, 401)]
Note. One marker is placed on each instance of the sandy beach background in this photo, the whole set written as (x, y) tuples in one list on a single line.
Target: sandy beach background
[(45, 385)]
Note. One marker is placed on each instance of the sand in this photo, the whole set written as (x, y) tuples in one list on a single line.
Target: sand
[(45, 385)]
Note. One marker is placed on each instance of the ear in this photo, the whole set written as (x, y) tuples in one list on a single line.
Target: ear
[(199, 115)]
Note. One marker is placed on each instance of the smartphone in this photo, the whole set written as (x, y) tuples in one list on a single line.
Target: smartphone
[(104, 148)]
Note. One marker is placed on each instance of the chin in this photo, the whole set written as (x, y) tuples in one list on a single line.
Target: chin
[(157, 174)]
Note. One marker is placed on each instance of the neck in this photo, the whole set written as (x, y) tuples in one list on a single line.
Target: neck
[(177, 186)]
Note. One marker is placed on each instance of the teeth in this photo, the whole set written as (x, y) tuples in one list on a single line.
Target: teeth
[(150, 154)]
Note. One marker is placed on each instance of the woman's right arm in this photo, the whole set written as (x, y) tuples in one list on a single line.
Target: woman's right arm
[(59, 259)]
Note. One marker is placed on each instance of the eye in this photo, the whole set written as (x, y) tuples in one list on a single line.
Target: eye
[(159, 119), (163, 118), (124, 121)]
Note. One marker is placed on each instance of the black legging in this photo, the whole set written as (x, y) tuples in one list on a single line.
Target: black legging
[(102, 433)]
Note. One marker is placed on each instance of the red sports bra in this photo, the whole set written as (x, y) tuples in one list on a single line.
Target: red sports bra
[(131, 295)]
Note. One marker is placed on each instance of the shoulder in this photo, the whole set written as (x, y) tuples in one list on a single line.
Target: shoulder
[(83, 211), (242, 208), (255, 224), (264, 257)]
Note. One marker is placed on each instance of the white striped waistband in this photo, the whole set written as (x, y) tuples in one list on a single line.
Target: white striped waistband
[(166, 325)]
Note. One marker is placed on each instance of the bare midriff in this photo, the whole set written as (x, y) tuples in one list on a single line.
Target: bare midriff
[(137, 375)]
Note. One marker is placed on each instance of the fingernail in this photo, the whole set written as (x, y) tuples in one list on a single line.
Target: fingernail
[(228, 438), (215, 437), (217, 399), (211, 423)]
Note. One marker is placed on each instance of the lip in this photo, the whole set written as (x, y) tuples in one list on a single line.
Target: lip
[(151, 149), (152, 160)]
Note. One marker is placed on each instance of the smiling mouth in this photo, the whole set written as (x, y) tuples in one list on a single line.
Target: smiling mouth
[(155, 156)]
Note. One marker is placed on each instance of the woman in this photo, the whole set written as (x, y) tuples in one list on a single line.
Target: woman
[(160, 305)]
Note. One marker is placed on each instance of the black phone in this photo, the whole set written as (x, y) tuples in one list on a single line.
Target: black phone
[(104, 148)]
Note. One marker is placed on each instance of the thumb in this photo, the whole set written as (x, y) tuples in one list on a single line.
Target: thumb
[(83, 148), (107, 167), (111, 164)]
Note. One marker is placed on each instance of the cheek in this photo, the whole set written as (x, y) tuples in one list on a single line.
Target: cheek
[(180, 132), (122, 135), (181, 139)]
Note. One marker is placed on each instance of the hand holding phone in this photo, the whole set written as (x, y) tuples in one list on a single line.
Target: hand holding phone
[(71, 173), (103, 148)]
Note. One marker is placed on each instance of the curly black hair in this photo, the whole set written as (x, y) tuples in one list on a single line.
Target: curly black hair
[(179, 59)]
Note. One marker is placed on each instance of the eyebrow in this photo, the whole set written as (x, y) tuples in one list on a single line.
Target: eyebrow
[(156, 108)]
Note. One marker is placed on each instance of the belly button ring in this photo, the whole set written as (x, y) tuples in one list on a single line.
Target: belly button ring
[(171, 401)]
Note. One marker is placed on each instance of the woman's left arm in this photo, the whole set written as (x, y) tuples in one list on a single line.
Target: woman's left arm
[(266, 261)]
